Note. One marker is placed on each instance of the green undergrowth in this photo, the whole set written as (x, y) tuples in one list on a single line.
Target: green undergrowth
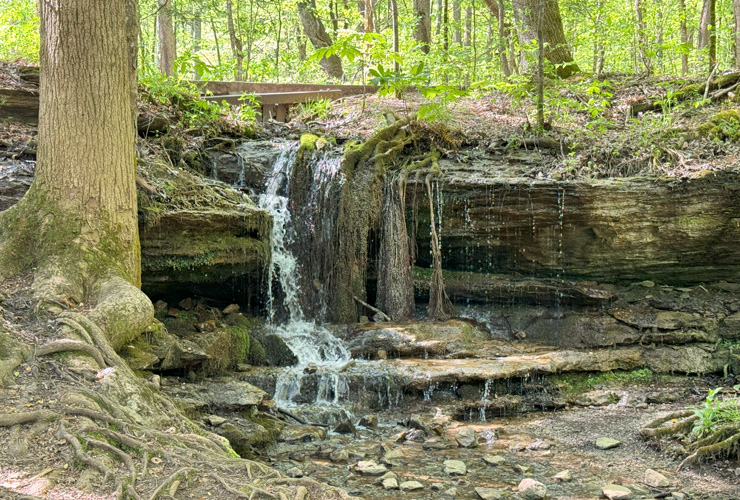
[(578, 383), (716, 411)]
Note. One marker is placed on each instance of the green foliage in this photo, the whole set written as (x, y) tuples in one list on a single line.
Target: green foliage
[(715, 412), (19, 30), (180, 96), (249, 109), (577, 383), (318, 109)]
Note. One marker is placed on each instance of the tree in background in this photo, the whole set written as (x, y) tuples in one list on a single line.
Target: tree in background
[(166, 36)]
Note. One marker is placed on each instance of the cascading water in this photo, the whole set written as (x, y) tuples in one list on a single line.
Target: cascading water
[(311, 343)]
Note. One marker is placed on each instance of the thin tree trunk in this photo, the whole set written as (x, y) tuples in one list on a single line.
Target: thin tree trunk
[(708, 31), (316, 33), (456, 20), (641, 39), (597, 36), (396, 48), (736, 15), (440, 8), (468, 34), (237, 48), (196, 32), (659, 34), (446, 27), (166, 36), (277, 45), (369, 22), (685, 38), (503, 36), (215, 37), (540, 71)]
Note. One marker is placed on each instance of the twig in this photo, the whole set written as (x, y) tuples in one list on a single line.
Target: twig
[(373, 309)]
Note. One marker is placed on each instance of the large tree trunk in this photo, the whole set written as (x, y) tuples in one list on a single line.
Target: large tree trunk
[(423, 31), (708, 31), (166, 37), (316, 33), (557, 51)]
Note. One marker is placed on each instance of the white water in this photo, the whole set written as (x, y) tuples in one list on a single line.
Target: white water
[(311, 343)]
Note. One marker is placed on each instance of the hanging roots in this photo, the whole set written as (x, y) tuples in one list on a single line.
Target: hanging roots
[(440, 306)]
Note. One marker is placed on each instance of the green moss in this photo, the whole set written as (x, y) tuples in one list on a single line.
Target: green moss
[(257, 355), (308, 142), (578, 383)]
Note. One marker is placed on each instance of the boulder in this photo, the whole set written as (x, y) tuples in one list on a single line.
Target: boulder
[(467, 438)]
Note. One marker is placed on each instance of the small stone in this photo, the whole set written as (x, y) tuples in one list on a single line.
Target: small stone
[(455, 468), (370, 468), (529, 489), (369, 421), (390, 484), (489, 493), (231, 308), (364, 319), (159, 305), (655, 479), (524, 469), (494, 460), (606, 443), (436, 444), (381, 354), (646, 284), (437, 486), (391, 457), (616, 492), (450, 493), (677, 495), (538, 445), (416, 436), (346, 427), (186, 304), (737, 471), (294, 472), (411, 486), (339, 456), (564, 476), (206, 327), (310, 368), (215, 420), (173, 313), (467, 438), (387, 475)]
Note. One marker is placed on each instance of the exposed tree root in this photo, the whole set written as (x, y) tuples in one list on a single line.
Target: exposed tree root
[(440, 306), (57, 346), (721, 442)]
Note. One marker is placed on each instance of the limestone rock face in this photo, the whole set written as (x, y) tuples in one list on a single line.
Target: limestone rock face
[(607, 230)]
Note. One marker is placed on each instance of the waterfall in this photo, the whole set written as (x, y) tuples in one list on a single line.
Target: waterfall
[(311, 343)]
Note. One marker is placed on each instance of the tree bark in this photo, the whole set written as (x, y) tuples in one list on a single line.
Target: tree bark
[(316, 33), (557, 51), (736, 15), (197, 27), (456, 20), (708, 31), (78, 221), (369, 22), (166, 38), (423, 31)]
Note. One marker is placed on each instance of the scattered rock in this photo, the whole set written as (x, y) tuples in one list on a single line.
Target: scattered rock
[(390, 484), (345, 427), (206, 327), (646, 284), (530, 489), (467, 438), (215, 420), (387, 475), (655, 479), (450, 493), (436, 444), (159, 305), (186, 304), (370, 468), (416, 436), (298, 433), (391, 457), (677, 495), (369, 421), (294, 472), (173, 313), (339, 456), (455, 468), (489, 493), (524, 469), (616, 492), (606, 443), (538, 444), (310, 368), (564, 476), (411, 486), (231, 308), (494, 460)]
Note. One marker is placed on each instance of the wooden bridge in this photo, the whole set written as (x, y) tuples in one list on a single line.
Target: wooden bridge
[(274, 99)]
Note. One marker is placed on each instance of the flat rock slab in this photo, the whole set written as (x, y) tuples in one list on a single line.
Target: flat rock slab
[(606, 443), (370, 468), (489, 493), (655, 479), (494, 460), (455, 467), (411, 486), (221, 394), (616, 492)]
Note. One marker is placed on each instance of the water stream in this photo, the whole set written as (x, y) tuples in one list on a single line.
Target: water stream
[(316, 349)]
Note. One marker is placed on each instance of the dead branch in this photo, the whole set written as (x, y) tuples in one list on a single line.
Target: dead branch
[(373, 309)]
